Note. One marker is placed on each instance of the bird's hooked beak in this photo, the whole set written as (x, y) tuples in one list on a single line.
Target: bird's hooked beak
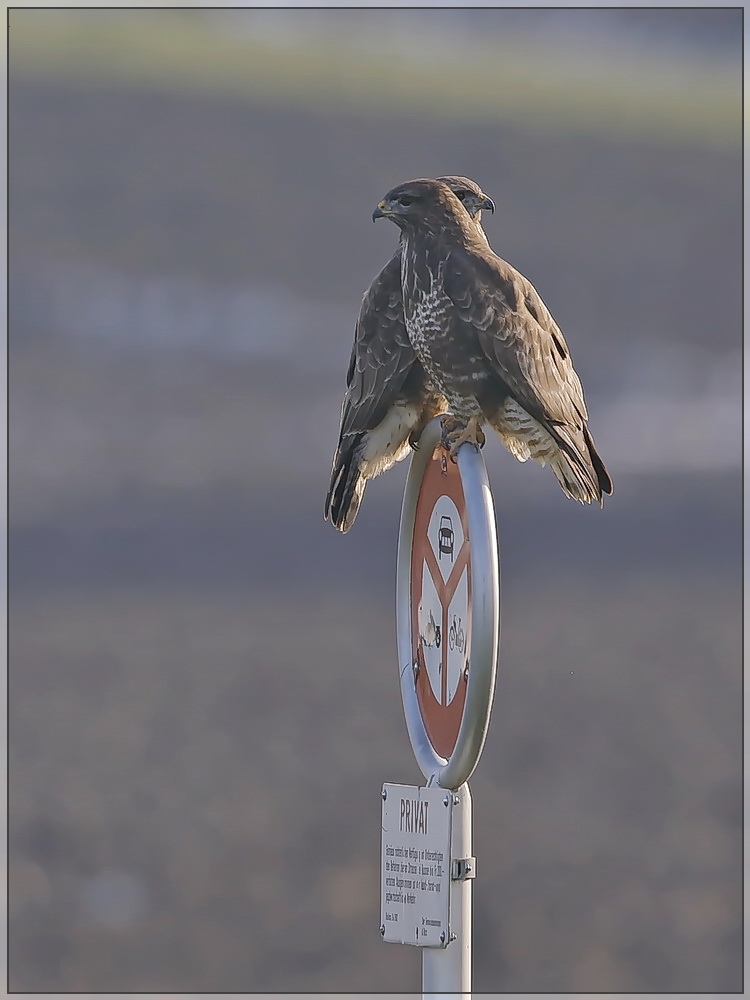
[(381, 212), (487, 204)]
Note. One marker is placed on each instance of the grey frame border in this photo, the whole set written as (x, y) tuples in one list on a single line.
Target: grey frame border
[(485, 614)]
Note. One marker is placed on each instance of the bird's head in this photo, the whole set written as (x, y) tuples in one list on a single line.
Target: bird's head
[(424, 204), (471, 196)]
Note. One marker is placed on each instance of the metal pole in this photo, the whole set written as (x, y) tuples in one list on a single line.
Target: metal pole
[(448, 970)]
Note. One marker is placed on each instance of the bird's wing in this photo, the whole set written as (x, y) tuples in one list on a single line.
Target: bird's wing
[(382, 355), (517, 334)]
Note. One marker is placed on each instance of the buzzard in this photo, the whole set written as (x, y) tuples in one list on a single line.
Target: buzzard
[(488, 343), (389, 400)]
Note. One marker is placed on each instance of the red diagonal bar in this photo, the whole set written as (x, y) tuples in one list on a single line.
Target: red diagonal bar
[(434, 568), (462, 560)]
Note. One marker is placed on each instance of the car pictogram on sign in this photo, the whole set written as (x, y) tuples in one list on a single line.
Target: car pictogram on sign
[(446, 537)]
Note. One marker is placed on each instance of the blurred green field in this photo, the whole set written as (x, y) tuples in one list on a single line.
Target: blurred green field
[(538, 86)]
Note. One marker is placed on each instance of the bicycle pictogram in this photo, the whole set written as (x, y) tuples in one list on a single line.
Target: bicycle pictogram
[(456, 636)]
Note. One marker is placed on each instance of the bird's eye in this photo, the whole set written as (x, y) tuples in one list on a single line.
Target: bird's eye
[(406, 200), (461, 195)]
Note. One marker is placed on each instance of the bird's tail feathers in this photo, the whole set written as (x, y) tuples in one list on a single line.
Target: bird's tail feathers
[(575, 481), (561, 447), (347, 486), (605, 480), (576, 470)]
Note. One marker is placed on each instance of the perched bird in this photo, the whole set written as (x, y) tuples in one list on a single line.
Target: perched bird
[(488, 343), (389, 400)]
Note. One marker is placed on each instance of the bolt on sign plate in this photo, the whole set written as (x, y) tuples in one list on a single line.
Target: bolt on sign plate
[(447, 608), (415, 865)]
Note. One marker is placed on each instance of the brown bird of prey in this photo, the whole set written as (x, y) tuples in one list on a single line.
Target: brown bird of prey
[(389, 400), (488, 343)]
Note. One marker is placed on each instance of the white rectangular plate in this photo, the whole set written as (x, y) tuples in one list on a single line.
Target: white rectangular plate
[(415, 865)]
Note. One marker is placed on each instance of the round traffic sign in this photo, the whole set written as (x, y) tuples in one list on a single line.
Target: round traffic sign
[(441, 602), (447, 608)]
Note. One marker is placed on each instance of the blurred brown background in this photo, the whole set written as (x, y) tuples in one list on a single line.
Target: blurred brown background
[(204, 696)]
